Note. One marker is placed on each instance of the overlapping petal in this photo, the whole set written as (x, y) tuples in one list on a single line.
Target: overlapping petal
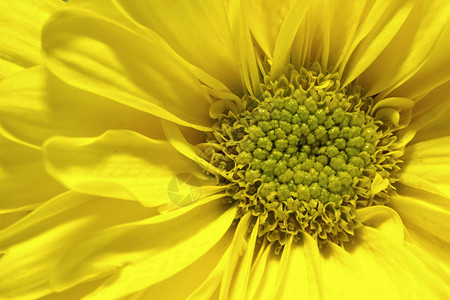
[(172, 242), (37, 242), (206, 41), (20, 29), (122, 164), (36, 105), (94, 53), (426, 166), (25, 183)]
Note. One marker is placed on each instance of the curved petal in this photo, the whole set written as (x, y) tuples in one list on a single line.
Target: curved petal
[(383, 21), (121, 164), (409, 49), (383, 262), (429, 118), (141, 254), (198, 30), (434, 72), (38, 241), (20, 31), (304, 271), (425, 216), (285, 39), (185, 281), (98, 55), (265, 19), (238, 248), (36, 105), (25, 183), (435, 110), (427, 166)]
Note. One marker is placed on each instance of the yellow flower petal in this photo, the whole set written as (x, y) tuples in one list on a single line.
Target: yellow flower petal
[(288, 31), (210, 284), (259, 270), (99, 56), (265, 19), (238, 289), (383, 262), (434, 72), (385, 220), (304, 274), (171, 243), (426, 166), (238, 247), (25, 183), (120, 164), (7, 219), (20, 29), (419, 35), (381, 24), (428, 115), (36, 105), (37, 242), (425, 216), (187, 280), (207, 42), (434, 112)]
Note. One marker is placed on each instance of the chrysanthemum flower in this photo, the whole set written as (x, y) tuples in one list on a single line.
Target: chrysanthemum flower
[(312, 136)]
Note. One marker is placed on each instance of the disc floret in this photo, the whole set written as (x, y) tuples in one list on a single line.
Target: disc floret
[(302, 156)]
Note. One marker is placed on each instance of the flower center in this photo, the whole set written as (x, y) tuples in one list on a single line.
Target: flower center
[(303, 156)]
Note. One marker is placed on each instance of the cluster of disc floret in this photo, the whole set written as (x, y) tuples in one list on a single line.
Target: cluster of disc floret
[(302, 156)]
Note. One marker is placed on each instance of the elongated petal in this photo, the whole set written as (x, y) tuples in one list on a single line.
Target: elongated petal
[(36, 105), (287, 35), (410, 48), (426, 166), (199, 31), (144, 253), (186, 280), (382, 23), (37, 242), (304, 274), (383, 262), (100, 56), (119, 164), (425, 216), (433, 112), (429, 118), (25, 183), (265, 20), (434, 72), (20, 28)]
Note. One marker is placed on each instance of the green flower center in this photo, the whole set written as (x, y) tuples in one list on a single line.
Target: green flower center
[(303, 156)]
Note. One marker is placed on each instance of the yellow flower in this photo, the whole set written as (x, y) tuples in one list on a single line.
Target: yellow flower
[(225, 149)]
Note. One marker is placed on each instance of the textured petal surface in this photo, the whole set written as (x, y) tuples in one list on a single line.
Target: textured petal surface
[(382, 23), (25, 183), (410, 48), (36, 243), (425, 216), (121, 164), (20, 28), (187, 280), (206, 39), (265, 20), (98, 55), (172, 242), (426, 166), (36, 105)]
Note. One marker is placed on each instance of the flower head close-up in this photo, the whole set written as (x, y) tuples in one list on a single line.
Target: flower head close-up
[(225, 149)]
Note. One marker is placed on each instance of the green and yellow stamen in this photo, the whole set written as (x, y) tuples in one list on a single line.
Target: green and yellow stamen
[(303, 156)]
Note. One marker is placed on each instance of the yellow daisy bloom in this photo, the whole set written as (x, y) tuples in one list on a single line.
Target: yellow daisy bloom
[(225, 149)]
